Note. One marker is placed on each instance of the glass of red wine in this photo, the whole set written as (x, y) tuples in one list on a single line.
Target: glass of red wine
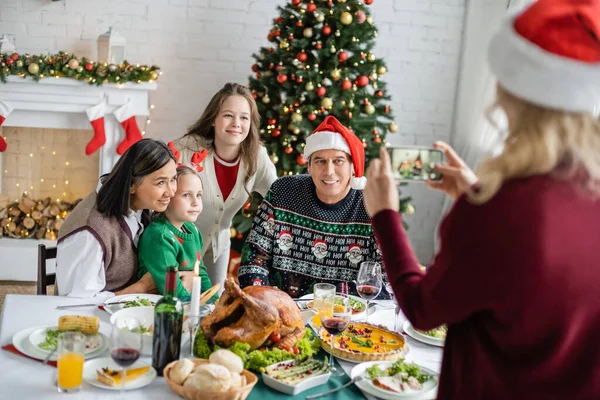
[(336, 321), (125, 344), (369, 282)]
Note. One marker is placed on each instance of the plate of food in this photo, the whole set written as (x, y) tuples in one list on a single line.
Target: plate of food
[(362, 342), (358, 305), (295, 376), (46, 339), (434, 337), (106, 374), (118, 303), (393, 380)]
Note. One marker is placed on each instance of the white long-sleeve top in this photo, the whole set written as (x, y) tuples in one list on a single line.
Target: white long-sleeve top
[(215, 219), (80, 265)]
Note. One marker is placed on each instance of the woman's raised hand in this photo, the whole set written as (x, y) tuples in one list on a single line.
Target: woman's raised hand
[(457, 176), (381, 192)]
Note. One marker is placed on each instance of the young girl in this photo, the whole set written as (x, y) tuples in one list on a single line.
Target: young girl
[(173, 239), (237, 165)]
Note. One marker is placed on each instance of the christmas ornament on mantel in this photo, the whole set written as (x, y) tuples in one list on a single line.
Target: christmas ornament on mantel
[(29, 218)]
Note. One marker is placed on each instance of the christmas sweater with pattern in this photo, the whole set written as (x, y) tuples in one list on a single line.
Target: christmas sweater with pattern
[(163, 245), (296, 240)]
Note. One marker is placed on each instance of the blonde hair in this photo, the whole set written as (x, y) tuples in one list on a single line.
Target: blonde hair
[(541, 141), (204, 132)]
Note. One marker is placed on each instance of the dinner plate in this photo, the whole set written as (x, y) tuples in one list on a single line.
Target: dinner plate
[(355, 317), (429, 390), (90, 376), (415, 334), (21, 342), (93, 343), (113, 308)]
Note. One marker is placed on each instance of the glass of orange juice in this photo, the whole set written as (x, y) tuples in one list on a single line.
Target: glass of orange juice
[(71, 347)]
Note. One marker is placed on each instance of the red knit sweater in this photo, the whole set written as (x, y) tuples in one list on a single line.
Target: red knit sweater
[(518, 282)]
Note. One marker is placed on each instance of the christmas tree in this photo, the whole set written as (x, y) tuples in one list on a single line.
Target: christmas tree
[(320, 62)]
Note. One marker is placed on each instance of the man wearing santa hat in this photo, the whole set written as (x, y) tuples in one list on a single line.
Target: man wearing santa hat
[(321, 216), (517, 275)]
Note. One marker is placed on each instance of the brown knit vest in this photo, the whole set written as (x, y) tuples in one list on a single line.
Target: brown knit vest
[(114, 236)]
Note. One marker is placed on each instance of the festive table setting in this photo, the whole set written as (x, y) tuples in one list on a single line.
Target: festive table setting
[(24, 319)]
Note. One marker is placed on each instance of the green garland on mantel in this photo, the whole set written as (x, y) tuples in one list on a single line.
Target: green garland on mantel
[(66, 65)]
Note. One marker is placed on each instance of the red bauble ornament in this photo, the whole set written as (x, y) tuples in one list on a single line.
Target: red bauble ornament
[(375, 132), (330, 3), (379, 93), (311, 7), (239, 235), (271, 66), (296, 2), (318, 46), (362, 81), (276, 132), (255, 68), (363, 56), (271, 49), (377, 139), (281, 78), (272, 121), (326, 30), (289, 150), (342, 56), (321, 91), (368, 2), (299, 80), (14, 56), (254, 95), (9, 61), (387, 109), (299, 24), (258, 75), (290, 37), (365, 145), (89, 66), (300, 160), (312, 117), (279, 20), (301, 56), (346, 84)]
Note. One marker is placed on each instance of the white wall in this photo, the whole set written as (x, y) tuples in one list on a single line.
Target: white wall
[(201, 44)]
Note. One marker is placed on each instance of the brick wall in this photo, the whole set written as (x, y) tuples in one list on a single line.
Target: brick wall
[(201, 44)]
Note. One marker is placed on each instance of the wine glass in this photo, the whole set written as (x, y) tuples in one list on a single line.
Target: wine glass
[(369, 282), (125, 344), (335, 320)]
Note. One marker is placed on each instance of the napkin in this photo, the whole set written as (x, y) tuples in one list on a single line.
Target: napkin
[(13, 349)]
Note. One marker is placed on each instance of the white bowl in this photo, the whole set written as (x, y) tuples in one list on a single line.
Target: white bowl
[(294, 389), (146, 317)]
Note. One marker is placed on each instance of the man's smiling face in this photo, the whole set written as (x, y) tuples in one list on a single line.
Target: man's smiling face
[(331, 171)]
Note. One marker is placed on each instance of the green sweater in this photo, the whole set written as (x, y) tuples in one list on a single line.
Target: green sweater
[(163, 245)]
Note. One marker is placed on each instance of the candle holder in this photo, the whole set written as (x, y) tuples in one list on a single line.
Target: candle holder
[(194, 324)]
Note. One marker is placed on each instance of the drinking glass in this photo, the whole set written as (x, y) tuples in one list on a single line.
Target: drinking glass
[(125, 344), (324, 296), (369, 282), (193, 323), (390, 290), (336, 321), (70, 350)]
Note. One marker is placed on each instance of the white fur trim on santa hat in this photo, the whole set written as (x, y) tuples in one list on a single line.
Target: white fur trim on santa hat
[(325, 140), (541, 77), (358, 183)]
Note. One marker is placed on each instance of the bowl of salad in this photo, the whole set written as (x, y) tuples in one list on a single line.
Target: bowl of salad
[(145, 315)]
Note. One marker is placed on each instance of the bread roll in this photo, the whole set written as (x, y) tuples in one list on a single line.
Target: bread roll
[(210, 378), (236, 381), (228, 359), (181, 370)]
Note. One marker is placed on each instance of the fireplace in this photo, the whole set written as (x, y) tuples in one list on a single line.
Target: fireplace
[(46, 135)]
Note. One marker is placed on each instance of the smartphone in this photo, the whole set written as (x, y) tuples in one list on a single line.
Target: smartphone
[(415, 163)]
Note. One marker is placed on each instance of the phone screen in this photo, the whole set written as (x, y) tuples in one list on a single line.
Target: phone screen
[(415, 164)]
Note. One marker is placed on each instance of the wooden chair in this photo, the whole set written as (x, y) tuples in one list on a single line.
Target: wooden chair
[(44, 279)]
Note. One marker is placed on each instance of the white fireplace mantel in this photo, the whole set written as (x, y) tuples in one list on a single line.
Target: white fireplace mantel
[(61, 104)]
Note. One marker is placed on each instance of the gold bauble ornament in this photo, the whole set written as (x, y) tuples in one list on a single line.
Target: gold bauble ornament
[(337, 33), (351, 104), (332, 49), (371, 57), (320, 17), (327, 103), (266, 99), (370, 109), (73, 63), (296, 117), (336, 74), (374, 76), (296, 131), (274, 158), (381, 70), (307, 32), (374, 85), (354, 87), (370, 20), (309, 86), (392, 127), (232, 232), (410, 209), (346, 18), (153, 75), (33, 68), (268, 73), (284, 44), (291, 126)]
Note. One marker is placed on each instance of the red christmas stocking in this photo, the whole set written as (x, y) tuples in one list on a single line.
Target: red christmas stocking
[(5, 109), (125, 115), (96, 116)]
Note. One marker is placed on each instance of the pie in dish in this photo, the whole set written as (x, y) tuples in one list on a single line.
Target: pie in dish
[(362, 342)]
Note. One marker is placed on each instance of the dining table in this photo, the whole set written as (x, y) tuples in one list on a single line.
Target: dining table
[(23, 378)]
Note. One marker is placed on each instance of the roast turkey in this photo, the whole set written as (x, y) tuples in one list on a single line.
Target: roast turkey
[(251, 314)]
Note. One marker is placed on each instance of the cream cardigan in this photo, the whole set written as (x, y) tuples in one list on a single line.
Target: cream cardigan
[(214, 221)]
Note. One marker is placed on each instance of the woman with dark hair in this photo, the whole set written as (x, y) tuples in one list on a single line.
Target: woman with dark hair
[(236, 165), (97, 244)]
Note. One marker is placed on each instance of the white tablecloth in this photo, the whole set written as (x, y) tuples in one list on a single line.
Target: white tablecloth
[(22, 378)]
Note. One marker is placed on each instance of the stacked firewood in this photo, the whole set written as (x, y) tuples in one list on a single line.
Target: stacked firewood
[(29, 218)]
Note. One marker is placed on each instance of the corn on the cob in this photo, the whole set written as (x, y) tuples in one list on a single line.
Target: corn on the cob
[(87, 325)]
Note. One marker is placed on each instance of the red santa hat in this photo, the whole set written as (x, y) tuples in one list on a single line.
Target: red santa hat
[(549, 55), (285, 233), (319, 241), (353, 246), (332, 135)]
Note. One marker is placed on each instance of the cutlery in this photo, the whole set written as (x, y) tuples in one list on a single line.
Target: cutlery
[(354, 380), (48, 356), (80, 305)]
